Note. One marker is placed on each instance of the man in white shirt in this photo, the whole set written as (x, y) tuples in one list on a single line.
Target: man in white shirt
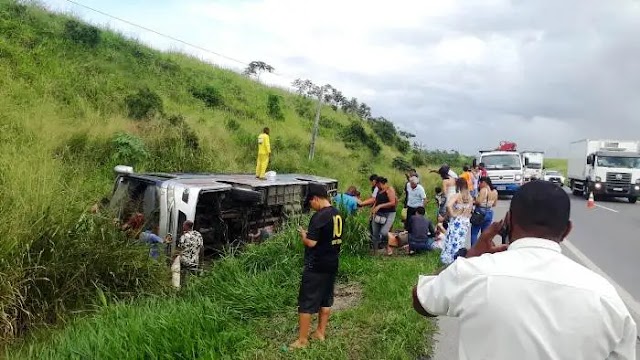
[(416, 198), (533, 302)]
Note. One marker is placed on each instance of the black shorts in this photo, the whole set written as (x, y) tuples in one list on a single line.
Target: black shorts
[(316, 291)]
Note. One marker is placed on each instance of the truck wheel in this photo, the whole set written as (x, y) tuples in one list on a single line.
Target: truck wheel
[(633, 200)]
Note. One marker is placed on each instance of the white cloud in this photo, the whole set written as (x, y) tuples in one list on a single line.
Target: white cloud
[(534, 72)]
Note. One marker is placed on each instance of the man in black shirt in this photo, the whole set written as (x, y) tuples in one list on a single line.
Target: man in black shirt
[(321, 251)]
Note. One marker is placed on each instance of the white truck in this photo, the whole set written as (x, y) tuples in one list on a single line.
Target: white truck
[(504, 168), (606, 168), (533, 164)]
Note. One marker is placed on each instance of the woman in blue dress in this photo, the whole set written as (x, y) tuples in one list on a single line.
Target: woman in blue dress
[(459, 208)]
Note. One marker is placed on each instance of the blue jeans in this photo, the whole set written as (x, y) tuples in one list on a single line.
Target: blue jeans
[(419, 245), (475, 229)]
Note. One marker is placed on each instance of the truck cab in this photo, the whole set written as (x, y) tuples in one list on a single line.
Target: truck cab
[(533, 164), (605, 168), (504, 168), (225, 208)]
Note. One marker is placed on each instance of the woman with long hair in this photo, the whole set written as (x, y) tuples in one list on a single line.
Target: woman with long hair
[(485, 202), (448, 188), (459, 208), (383, 213)]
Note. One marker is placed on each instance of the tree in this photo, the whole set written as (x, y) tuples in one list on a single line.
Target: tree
[(364, 111), (350, 106), (406, 135), (319, 92), (256, 68), (337, 97)]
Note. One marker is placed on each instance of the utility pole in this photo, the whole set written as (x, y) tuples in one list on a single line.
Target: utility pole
[(316, 124)]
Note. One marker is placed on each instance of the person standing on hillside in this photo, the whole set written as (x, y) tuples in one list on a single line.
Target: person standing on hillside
[(557, 308), (416, 198), (322, 243), (264, 152)]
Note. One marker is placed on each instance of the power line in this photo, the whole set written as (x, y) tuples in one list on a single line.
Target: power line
[(158, 33)]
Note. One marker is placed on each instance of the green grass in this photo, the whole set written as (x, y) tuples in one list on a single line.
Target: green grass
[(557, 164), (65, 123), (245, 309)]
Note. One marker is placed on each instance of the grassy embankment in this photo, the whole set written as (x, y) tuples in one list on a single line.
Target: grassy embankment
[(76, 101)]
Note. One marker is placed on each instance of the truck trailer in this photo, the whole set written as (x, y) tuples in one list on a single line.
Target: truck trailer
[(606, 168), (533, 165)]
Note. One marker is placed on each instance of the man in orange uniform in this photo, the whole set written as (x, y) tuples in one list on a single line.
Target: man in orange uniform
[(264, 151)]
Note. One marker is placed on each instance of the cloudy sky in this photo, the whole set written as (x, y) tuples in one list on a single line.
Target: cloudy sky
[(459, 74)]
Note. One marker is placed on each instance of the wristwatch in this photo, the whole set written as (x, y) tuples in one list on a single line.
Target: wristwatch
[(462, 252)]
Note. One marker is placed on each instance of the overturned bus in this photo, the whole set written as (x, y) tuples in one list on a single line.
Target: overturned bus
[(225, 208)]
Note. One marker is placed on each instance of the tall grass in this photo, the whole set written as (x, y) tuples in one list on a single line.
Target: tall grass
[(246, 309), (64, 125)]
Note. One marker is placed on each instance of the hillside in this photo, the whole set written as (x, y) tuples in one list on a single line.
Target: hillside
[(77, 100)]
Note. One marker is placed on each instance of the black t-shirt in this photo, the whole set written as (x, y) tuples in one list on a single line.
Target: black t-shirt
[(325, 227)]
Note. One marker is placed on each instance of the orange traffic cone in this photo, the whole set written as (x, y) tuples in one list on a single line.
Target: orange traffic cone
[(591, 203)]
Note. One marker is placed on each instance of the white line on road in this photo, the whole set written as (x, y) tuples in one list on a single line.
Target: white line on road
[(606, 208), (632, 304)]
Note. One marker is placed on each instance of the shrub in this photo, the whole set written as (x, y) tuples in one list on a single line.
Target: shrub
[(143, 104), (70, 266), (176, 120), (356, 134), (401, 164), (304, 107), (189, 137), (404, 146), (232, 125), (209, 95), (273, 107), (417, 159), (81, 33), (128, 149)]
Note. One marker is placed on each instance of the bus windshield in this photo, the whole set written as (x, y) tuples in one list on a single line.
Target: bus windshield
[(502, 162), (619, 162)]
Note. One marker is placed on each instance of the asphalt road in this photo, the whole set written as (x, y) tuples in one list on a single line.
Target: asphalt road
[(605, 239)]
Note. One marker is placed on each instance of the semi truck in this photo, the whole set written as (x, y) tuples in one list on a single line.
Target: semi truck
[(504, 167), (533, 164), (225, 208), (606, 168)]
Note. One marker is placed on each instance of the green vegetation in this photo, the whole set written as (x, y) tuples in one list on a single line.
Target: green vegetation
[(246, 309), (77, 100), (556, 164)]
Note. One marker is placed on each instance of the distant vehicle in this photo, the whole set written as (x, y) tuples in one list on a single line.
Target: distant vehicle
[(225, 208), (533, 164), (606, 168), (554, 176), (504, 167)]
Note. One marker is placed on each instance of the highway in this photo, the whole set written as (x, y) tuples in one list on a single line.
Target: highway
[(605, 239)]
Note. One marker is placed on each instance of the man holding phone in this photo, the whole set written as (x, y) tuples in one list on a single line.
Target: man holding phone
[(535, 302), (321, 252)]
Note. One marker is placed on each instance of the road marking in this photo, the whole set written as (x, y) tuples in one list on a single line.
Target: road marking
[(606, 208), (632, 304)]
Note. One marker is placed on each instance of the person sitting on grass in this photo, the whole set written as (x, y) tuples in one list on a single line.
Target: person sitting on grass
[(421, 236), (321, 257)]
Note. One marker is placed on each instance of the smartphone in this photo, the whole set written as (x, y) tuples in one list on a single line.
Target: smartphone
[(504, 233)]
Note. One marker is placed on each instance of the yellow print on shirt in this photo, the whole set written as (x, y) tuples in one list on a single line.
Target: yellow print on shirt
[(337, 230)]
